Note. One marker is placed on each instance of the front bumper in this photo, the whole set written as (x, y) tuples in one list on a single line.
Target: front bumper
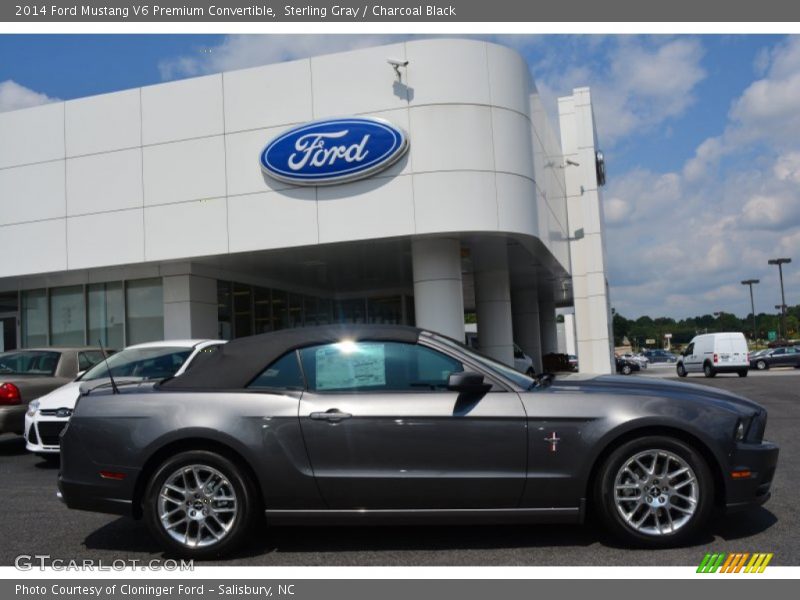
[(761, 460), (42, 433)]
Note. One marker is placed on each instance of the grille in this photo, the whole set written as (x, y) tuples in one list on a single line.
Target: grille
[(49, 432), (53, 412)]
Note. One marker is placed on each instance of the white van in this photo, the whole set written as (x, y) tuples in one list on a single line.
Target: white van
[(714, 353)]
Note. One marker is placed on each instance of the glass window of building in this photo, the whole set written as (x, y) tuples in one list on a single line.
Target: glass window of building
[(67, 316), (295, 311), (280, 309), (387, 310), (262, 306), (106, 314), (34, 318), (224, 310), (145, 302), (351, 311), (242, 310)]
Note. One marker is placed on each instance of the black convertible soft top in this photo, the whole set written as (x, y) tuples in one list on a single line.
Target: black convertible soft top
[(237, 363)]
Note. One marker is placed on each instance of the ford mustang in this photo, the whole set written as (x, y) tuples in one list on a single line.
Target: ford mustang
[(387, 424)]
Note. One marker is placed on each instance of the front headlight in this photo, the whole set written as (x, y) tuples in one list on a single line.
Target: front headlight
[(33, 407), (740, 430)]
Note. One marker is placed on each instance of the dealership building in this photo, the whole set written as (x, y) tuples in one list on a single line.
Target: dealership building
[(262, 199)]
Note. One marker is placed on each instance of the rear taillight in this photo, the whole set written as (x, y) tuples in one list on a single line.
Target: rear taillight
[(716, 358), (9, 394)]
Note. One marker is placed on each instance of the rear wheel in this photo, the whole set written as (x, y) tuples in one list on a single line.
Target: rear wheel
[(199, 504), (655, 492), (681, 370), (743, 373), (626, 369), (708, 370)]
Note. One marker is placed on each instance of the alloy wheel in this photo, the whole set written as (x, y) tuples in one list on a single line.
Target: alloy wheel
[(197, 506), (656, 492)]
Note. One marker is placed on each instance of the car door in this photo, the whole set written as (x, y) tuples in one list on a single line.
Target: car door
[(691, 361), (777, 357), (383, 431)]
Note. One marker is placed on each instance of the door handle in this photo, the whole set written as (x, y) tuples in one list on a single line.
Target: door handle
[(332, 415)]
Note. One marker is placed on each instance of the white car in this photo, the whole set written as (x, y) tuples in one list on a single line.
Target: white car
[(640, 359), (714, 353), (47, 416)]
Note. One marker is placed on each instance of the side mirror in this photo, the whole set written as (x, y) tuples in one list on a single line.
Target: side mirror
[(544, 380), (468, 382)]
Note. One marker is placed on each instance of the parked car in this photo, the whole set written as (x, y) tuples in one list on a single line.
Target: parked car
[(376, 424), (47, 416), (660, 356), (626, 366), (639, 359), (713, 353), (788, 356), (522, 362), (573, 362), (27, 374)]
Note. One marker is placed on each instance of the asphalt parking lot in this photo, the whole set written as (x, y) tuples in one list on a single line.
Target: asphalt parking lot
[(33, 521)]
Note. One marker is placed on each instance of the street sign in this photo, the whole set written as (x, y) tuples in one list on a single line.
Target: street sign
[(649, 341), (772, 336)]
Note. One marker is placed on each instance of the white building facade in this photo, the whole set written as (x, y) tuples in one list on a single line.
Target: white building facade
[(145, 214)]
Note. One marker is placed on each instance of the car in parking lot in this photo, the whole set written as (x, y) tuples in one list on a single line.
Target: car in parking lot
[(660, 356), (786, 356), (47, 416), (713, 353), (626, 366), (640, 359), (376, 424), (27, 374)]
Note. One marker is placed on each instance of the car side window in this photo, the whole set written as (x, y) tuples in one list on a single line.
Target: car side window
[(86, 360), (689, 350), (283, 374), (377, 366), (779, 351)]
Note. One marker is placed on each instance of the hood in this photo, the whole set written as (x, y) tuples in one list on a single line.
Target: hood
[(63, 397), (642, 386)]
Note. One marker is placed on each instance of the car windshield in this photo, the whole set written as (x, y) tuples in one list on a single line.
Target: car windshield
[(491, 364), (144, 363), (29, 362)]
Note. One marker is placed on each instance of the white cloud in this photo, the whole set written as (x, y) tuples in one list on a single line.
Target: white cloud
[(14, 96), (242, 51), (637, 85)]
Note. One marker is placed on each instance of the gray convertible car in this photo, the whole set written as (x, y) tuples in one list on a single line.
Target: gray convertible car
[(379, 424)]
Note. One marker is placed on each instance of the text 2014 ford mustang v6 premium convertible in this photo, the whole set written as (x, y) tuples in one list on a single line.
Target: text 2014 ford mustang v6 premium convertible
[(368, 424)]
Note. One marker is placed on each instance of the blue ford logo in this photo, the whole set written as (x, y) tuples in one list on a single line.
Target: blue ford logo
[(333, 151)]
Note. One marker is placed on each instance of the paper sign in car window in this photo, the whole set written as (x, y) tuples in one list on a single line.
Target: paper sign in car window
[(364, 365)]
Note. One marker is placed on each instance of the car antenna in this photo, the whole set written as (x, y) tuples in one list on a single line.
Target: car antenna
[(114, 387)]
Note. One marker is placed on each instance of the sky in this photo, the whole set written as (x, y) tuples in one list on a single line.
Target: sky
[(701, 136)]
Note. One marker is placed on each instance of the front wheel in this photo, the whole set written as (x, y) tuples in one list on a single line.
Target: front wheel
[(199, 504), (681, 370), (708, 370), (654, 492), (626, 369), (761, 365)]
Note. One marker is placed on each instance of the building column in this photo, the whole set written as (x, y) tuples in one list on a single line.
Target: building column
[(547, 323), (190, 307), (493, 300), (438, 292), (525, 324)]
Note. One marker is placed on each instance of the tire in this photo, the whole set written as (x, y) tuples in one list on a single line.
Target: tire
[(681, 370), (742, 373), (626, 369), (708, 370), (661, 504), (762, 365), (230, 525)]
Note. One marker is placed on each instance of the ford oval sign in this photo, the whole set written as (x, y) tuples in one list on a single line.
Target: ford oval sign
[(333, 151)]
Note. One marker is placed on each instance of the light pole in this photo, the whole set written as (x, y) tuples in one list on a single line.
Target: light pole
[(780, 308), (780, 262), (750, 283)]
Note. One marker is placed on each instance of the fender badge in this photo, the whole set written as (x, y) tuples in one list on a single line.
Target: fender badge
[(553, 441)]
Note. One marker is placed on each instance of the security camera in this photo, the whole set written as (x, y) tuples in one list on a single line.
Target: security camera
[(396, 64)]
